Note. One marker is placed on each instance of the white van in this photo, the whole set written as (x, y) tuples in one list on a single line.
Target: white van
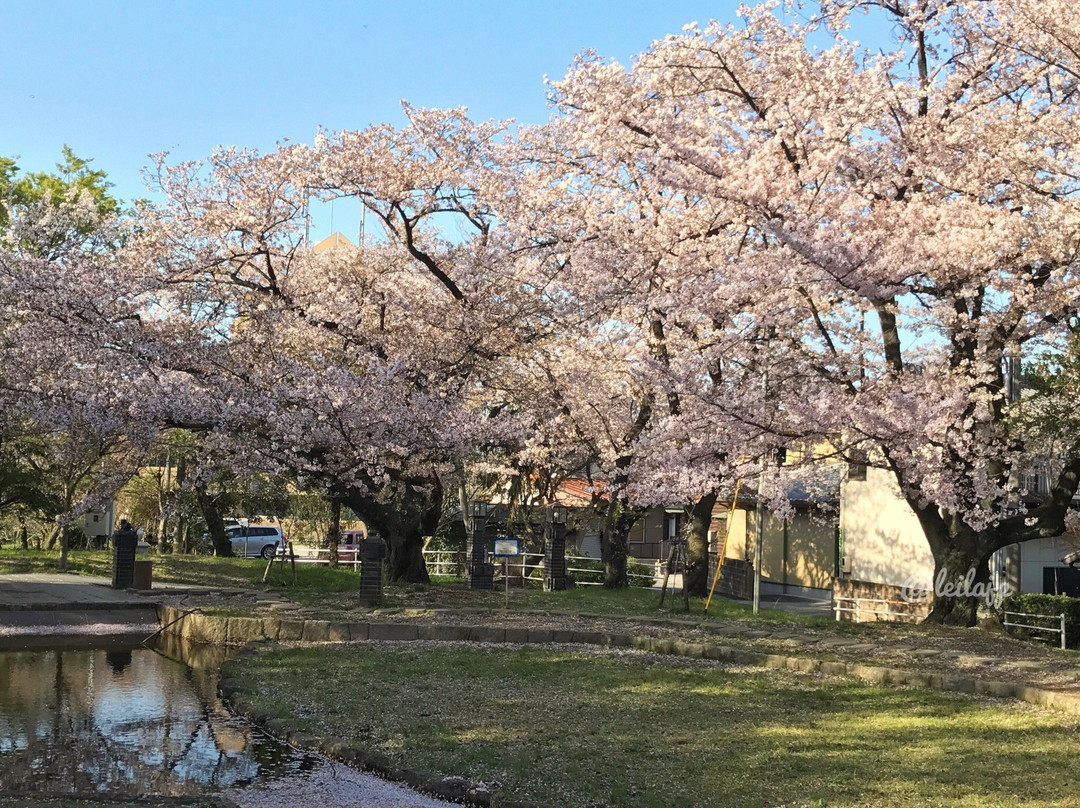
[(254, 540)]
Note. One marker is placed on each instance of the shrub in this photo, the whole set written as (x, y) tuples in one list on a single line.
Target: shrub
[(1051, 606)]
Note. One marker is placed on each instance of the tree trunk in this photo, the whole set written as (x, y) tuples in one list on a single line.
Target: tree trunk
[(181, 536), (407, 512), (696, 531), (615, 543), (65, 538), (406, 558), (162, 531), (215, 526), (961, 567), (957, 576)]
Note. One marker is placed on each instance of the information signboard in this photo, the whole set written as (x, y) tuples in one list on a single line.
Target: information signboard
[(506, 547)]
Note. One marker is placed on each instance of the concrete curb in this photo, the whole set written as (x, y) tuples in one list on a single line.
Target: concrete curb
[(201, 628)]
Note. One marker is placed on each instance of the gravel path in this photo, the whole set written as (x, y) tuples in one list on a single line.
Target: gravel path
[(331, 785)]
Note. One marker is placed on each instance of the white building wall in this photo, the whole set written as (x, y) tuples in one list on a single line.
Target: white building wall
[(1035, 555), (883, 542)]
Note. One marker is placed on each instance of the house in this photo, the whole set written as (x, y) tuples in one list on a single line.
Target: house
[(649, 539), (800, 555), (335, 241), (883, 547), (1042, 565)]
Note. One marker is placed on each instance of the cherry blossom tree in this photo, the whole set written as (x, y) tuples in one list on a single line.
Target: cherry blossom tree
[(69, 383), (910, 219), (69, 318), (651, 372), (357, 369)]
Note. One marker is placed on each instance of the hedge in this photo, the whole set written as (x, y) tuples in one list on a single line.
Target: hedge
[(1051, 606)]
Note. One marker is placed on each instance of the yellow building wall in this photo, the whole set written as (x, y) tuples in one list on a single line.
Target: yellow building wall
[(811, 554), (772, 546), (736, 540), (800, 552)]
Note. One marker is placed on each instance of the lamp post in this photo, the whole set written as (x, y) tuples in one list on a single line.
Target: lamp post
[(481, 573), (556, 577)]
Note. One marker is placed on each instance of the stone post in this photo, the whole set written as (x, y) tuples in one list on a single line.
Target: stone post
[(125, 543), (480, 572), (372, 551), (556, 577)]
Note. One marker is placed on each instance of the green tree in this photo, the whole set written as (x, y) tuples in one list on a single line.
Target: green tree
[(44, 214)]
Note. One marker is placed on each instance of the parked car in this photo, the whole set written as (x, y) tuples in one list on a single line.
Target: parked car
[(349, 545), (255, 540)]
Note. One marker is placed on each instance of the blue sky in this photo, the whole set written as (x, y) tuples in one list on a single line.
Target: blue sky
[(120, 80)]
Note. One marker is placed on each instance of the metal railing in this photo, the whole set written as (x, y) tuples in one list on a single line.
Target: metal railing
[(451, 562), (858, 608), (444, 562), (320, 555), (1058, 629)]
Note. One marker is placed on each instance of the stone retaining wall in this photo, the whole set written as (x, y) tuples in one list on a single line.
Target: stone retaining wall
[(200, 628), (848, 588)]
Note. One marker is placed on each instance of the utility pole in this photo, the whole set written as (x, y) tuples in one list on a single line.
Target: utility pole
[(759, 511), (759, 529)]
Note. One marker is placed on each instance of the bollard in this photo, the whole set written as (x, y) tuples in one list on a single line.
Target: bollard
[(556, 576), (143, 575), (481, 572)]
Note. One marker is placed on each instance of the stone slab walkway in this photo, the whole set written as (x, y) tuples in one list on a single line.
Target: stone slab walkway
[(45, 591)]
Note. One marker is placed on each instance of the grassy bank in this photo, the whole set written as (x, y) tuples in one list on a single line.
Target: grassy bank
[(573, 729), (334, 591)]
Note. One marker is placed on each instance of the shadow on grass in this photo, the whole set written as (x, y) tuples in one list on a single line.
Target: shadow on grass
[(573, 729)]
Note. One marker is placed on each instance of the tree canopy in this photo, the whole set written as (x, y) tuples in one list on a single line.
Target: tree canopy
[(756, 235)]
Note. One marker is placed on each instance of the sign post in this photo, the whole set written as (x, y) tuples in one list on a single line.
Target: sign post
[(507, 548)]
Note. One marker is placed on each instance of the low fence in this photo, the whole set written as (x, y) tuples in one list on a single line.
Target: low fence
[(445, 562), (452, 562), (1059, 629), (524, 567), (873, 608), (319, 555)]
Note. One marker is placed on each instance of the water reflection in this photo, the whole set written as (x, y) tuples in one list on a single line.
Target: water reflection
[(123, 721)]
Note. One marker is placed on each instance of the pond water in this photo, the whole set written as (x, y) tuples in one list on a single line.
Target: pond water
[(135, 722)]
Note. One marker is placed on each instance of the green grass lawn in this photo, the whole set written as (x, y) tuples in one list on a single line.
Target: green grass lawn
[(336, 590), (571, 729), (312, 581)]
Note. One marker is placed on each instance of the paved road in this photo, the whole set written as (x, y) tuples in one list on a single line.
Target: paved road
[(43, 591)]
